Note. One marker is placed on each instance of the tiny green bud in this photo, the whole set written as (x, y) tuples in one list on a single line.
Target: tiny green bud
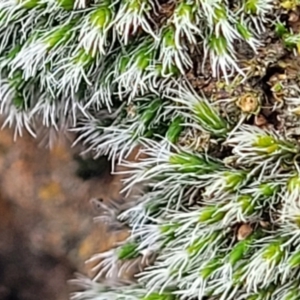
[(101, 17), (201, 243), (247, 205), (294, 260), (267, 144), (243, 31), (240, 250), (29, 4), (169, 232), (238, 274), (170, 70), (293, 184), (135, 5), (237, 252), (149, 114), (185, 9), (66, 4), (60, 35), (251, 6), (187, 162), (174, 130), (234, 180), (14, 51), (277, 87), (128, 251), (268, 190), (19, 102), (167, 229), (211, 267), (143, 59), (169, 37), (124, 61), (211, 214), (273, 252), (281, 30), (218, 44), (83, 58), (209, 118), (220, 13)]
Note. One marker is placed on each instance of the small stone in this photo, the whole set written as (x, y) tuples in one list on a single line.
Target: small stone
[(244, 231), (264, 224), (293, 17), (260, 120), (296, 111), (282, 76)]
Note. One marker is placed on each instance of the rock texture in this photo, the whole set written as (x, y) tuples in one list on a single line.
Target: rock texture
[(46, 219)]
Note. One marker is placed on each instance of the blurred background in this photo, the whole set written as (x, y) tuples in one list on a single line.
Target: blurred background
[(46, 219)]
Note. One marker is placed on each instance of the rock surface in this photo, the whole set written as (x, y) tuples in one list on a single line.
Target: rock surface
[(46, 220)]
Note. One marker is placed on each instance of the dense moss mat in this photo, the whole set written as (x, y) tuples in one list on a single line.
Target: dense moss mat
[(209, 91)]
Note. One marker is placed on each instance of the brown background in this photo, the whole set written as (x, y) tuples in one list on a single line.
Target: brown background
[(46, 219)]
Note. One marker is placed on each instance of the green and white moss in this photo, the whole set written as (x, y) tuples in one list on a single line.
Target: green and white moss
[(189, 82)]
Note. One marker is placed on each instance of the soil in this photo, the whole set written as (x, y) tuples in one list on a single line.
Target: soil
[(46, 218)]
